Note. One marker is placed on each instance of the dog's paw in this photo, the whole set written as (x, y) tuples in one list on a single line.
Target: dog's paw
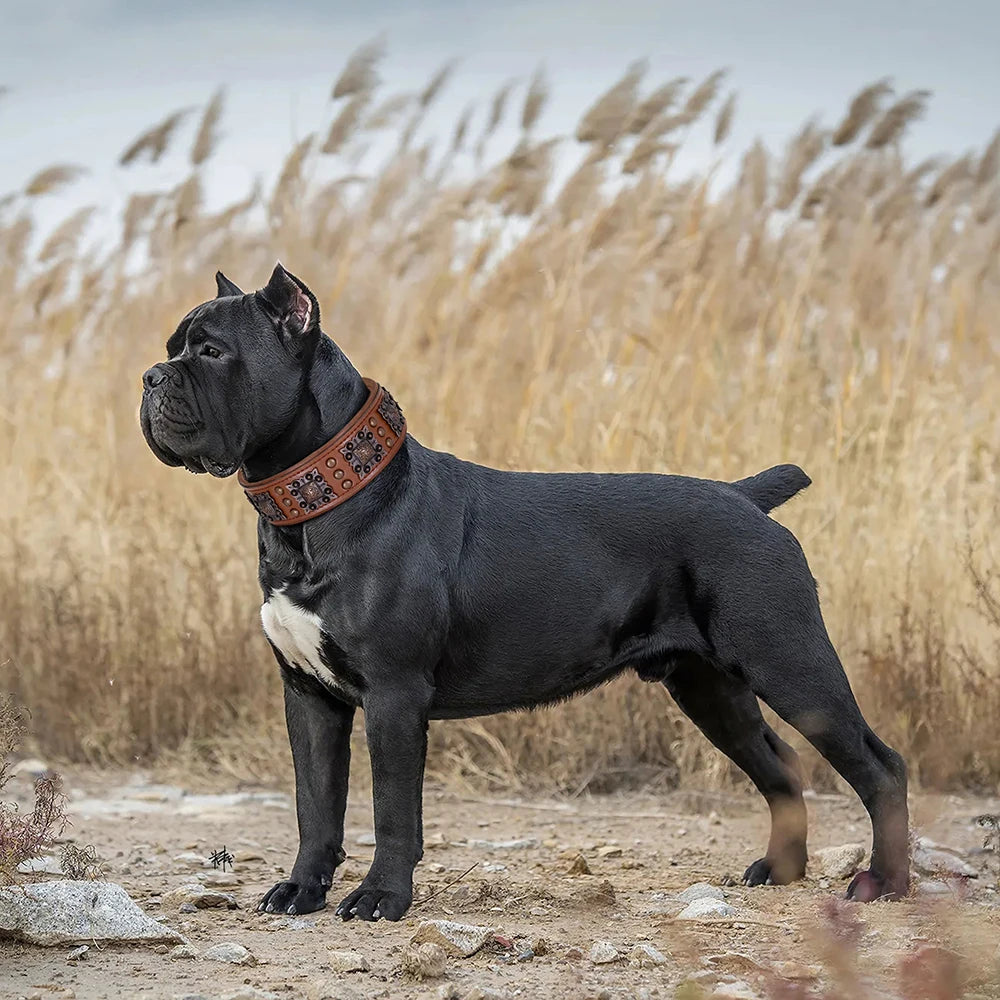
[(765, 871), (375, 900), (759, 873), (294, 897), (867, 886)]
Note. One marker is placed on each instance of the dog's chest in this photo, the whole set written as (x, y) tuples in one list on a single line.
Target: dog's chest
[(298, 635)]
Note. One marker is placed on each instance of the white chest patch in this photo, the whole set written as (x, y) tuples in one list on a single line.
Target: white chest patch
[(298, 636)]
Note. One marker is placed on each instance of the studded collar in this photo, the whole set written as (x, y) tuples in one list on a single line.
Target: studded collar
[(336, 471)]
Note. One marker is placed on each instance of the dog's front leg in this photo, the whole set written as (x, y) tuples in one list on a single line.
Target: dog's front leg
[(396, 728), (319, 730)]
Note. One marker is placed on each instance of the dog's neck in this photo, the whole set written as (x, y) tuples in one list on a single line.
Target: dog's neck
[(332, 395)]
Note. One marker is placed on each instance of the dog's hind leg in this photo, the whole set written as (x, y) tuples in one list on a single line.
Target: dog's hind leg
[(726, 711), (817, 700)]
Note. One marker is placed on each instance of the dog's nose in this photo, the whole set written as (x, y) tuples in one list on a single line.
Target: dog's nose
[(155, 376)]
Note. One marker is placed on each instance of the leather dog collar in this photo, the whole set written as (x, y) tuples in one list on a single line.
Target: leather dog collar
[(337, 471)]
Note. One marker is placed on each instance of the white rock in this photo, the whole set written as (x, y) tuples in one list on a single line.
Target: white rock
[(735, 991), (347, 961), (365, 840), (700, 890), (230, 952), (66, 911), (603, 952), (504, 845), (646, 956), (457, 939), (933, 859), (706, 907), (839, 862), (183, 951), (48, 865)]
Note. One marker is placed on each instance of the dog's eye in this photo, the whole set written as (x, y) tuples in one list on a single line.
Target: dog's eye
[(211, 352)]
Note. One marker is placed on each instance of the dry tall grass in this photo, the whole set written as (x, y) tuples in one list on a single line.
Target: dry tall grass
[(834, 305)]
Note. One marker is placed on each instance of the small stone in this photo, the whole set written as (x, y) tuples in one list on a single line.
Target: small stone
[(365, 840), (220, 880), (244, 856), (934, 859), (249, 993), (735, 991), (161, 949), (198, 896), (646, 956), (525, 954), (579, 866), (934, 888), (700, 890), (504, 845), (347, 961), (602, 894), (77, 953), (540, 946), (573, 954), (610, 851), (424, 961), (188, 908), (43, 865), (193, 860), (706, 907), (183, 951), (457, 939), (231, 953), (436, 867), (839, 862), (602, 952), (796, 970)]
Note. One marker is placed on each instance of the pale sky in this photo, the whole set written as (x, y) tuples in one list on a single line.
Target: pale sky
[(87, 76)]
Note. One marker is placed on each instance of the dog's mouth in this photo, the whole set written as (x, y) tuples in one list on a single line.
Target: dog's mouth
[(176, 436)]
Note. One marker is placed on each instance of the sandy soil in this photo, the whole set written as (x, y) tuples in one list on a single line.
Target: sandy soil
[(641, 849)]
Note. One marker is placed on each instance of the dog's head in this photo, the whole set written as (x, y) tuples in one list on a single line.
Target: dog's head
[(235, 371)]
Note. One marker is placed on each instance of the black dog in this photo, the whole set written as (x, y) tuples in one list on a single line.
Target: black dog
[(446, 590)]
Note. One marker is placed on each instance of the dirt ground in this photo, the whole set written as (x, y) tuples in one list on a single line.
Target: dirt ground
[(641, 851)]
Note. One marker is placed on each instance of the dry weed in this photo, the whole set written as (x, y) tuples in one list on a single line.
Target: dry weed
[(821, 308)]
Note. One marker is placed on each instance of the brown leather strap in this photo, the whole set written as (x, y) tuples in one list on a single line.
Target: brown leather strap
[(338, 470)]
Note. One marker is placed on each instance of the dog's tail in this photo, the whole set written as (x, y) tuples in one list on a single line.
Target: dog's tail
[(773, 487)]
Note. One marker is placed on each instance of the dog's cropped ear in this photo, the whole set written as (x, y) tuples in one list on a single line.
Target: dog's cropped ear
[(225, 286), (293, 308)]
